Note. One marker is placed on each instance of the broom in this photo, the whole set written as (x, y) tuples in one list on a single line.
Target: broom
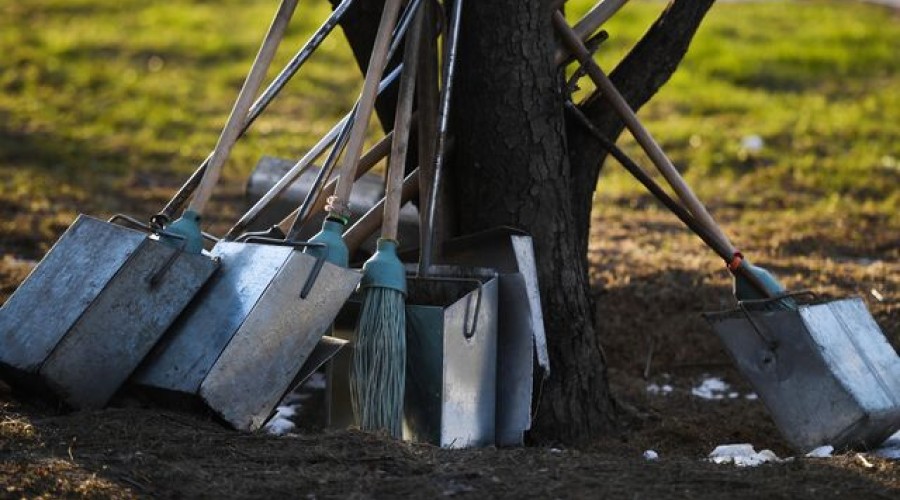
[(378, 374)]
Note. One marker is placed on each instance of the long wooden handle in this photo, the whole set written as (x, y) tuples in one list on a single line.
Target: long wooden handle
[(339, 202), (427, 107), (248, 92), (588, 24), (402, 122), (369, 223), (643, 137), (260, 105), (368, 160)]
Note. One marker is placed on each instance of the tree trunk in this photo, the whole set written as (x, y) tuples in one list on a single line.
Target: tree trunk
[(518, 162), (510, 167)]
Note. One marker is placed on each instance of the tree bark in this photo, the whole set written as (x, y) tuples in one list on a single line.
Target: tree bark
[(518, 161), (510, 167)]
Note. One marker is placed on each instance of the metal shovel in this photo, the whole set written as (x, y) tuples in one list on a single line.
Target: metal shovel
[(238, 348), (91, 310), (825, 371)]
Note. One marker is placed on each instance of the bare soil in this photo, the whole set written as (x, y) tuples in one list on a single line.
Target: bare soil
[(653, 279)]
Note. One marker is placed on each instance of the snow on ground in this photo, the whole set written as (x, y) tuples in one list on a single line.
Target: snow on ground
[(660, 389), (890, 448), (714, 388), (742, 455), (291, 406), (280, 424)]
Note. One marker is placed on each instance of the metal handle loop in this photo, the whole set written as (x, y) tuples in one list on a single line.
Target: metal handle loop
[(467, 332), (742, 304), (320, 260)]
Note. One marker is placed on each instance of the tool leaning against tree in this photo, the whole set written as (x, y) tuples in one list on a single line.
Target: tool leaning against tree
[(751, 282), (825, 371)]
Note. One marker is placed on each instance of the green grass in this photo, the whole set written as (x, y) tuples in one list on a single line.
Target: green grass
[(816, 80), (101, 100)]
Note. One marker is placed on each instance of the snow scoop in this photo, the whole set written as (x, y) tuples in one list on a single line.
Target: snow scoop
[(451, 318), (824, 370), (239, 346), (104, 295), (93, 307)]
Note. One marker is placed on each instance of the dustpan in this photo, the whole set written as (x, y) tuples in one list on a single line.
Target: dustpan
[(451, 340), (96, 304), (824, 370), (520, 335)]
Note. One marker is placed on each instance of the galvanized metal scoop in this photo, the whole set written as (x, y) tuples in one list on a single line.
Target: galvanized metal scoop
[(825, 371), (93, 307)]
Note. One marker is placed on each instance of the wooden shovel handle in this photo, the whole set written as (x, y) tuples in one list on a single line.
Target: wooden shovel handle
[(402, 123), (588, 24), (248, 92), (338, 205), (369, 223), (643, 137)]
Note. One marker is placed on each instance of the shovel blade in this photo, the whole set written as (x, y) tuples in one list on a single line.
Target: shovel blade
[(826, 372), (94, 307), (178, 364), (256, 368)]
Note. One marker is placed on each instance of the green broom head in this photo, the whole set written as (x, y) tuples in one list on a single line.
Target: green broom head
[(188, 228), (378, 374), (744, 289), (335, 250)]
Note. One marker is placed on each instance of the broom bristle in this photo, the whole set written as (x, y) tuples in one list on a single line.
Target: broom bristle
[(378, 376)]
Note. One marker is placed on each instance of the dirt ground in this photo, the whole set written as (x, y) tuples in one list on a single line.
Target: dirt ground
[(653, 279)]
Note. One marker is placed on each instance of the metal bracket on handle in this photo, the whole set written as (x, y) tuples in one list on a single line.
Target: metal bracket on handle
[(157, 275), (153, 227), (742, 304), (320, 260)]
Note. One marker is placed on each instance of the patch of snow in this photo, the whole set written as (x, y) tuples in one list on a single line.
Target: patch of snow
[(651, 455), (711, 388), (279, 426), (751, 396), (890, 448), (660, 389), (821, 452), (316, 381), (865, 462), (752, 143), (280, 423), (742, 455)]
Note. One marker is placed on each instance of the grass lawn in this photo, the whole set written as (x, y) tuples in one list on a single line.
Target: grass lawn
[(104, 104)]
